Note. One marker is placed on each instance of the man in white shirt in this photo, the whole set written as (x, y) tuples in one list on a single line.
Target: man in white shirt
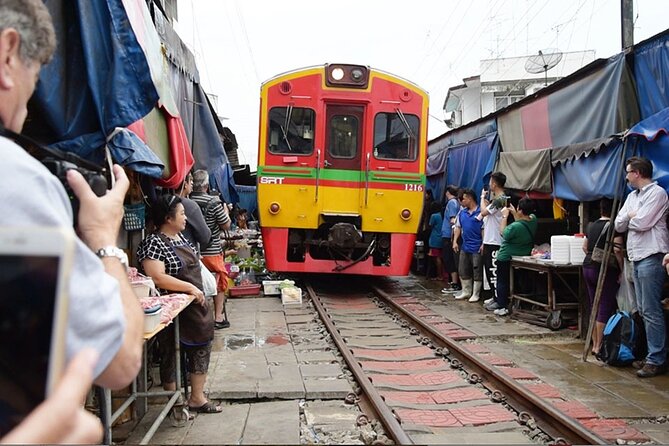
[(644, 216), (104, 314), (492, 238)]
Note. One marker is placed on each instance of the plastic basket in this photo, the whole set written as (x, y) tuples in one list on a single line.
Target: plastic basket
[(133, 217)]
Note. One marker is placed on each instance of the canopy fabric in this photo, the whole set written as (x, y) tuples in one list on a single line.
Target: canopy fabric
[(469, 163), (651, 73), (166, 137), (589, 178), (200, 121), (527, 171), (248, 199), (585, 149), (221, 179), (82, 95), (599, 104), (657, 151), (129, 150), (436, 163), (147, 36), (652, 126), (462, 135), (436, 184)]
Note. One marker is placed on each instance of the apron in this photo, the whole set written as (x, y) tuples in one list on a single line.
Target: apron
[(196, 322)]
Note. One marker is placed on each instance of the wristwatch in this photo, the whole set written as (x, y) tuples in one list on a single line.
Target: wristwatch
[(113, 251)]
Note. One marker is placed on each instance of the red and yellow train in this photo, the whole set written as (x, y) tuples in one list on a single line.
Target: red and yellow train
[(341, 170)]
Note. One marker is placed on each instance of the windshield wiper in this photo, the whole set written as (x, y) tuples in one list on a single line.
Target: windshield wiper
[(285, 129)]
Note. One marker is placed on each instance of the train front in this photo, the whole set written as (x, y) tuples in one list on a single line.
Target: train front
[(341, 170)]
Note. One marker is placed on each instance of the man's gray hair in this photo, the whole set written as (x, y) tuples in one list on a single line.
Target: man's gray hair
[(31, 19), (200, 180)]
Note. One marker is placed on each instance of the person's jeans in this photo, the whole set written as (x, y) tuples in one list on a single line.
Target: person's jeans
[(649, 278), (503, 282)]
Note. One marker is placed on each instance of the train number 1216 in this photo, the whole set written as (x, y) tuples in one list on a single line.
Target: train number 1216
[(413, 187)]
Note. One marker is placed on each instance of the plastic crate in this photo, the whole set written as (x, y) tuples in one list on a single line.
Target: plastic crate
[(133, 217), (245, 290)]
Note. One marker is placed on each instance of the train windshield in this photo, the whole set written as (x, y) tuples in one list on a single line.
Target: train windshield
[(396, 136), (291, 130)]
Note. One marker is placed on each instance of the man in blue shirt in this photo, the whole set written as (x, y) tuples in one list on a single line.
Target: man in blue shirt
[(471, 263), (451, 211)]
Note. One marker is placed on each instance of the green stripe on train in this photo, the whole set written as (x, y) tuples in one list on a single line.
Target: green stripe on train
[(342, 175)]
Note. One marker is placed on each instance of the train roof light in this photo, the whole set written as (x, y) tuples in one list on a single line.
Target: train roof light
[(344, 75)]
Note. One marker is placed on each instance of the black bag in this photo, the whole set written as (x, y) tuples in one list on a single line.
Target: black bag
[(619, 342), (597, 255)]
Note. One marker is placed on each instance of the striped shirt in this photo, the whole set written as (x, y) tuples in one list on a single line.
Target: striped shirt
[(214, 216)]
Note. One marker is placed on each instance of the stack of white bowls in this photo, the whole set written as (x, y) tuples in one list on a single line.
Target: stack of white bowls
[(576, 253), (560, 249)]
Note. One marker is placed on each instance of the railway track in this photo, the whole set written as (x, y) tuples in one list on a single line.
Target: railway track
[(416, 380)]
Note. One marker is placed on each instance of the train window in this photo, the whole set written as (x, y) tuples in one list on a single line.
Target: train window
[(396, 136), (291, 130), (343, 136)]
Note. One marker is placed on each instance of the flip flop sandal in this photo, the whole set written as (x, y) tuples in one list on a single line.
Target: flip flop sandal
[(207, 407)]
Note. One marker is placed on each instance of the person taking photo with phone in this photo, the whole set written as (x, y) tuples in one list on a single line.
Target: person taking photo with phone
[(104, 314)]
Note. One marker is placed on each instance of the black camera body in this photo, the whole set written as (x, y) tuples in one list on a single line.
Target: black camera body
[(96, 180), (59, 162)]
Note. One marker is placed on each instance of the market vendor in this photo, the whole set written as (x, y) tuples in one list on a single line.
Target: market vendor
[(173, 263)]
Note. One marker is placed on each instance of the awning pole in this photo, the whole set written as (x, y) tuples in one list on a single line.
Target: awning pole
[(608, 251)]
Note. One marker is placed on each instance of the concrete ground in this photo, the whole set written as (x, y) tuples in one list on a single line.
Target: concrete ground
[(275, 375)]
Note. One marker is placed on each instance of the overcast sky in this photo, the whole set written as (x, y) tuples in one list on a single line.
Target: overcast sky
[(434, 43)]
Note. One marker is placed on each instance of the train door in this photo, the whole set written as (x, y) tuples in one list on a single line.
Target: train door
[(343, 137), (343, 158)]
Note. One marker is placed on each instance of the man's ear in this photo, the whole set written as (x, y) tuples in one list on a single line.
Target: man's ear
[(10, 44)]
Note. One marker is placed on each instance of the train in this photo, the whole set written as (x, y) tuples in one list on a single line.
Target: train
[(341, 170)]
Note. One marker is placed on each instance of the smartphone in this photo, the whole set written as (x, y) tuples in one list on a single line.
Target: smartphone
[(35, 264)]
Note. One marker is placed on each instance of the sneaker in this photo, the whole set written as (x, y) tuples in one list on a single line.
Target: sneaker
[(492, 306), (488, 301), (222, 324), (501, 312), (447, 290), (639, 364), (650, 370), (456, 287)]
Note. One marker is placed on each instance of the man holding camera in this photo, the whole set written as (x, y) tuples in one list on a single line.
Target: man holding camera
[(492, 238), (104, 314)]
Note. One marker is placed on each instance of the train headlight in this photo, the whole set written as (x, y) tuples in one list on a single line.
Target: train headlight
[(405, 214), (274, 208), (357, 74), (337, 74)]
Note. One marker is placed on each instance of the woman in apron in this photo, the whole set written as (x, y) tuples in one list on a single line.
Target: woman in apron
[(173, 264)]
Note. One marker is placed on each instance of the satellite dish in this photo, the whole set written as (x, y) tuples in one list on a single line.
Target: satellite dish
[(543, 61)]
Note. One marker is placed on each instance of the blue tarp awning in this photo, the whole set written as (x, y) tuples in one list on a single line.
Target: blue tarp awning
[(470, 164), (98, 81), (651, 74), (591, 177), (652, 126)]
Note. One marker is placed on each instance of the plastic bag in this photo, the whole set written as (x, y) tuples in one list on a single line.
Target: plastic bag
[(626, 297), (208, 281)]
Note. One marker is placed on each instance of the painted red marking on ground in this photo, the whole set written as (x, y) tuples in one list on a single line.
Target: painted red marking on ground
[(403, 353), (424, 364), (575, 409), (435, 418), (420, 379), (517, 373), (478, 415)]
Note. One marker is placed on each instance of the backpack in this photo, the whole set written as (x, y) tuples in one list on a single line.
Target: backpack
[(619, 342)]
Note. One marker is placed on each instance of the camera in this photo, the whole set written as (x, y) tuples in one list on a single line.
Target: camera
[(96, 180), (59, 162)]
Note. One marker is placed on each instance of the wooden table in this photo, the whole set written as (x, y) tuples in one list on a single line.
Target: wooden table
[(550, 312), (139, 387)]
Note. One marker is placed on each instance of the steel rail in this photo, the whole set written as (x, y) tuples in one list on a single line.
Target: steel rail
[(385, 415), (548, 418)]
